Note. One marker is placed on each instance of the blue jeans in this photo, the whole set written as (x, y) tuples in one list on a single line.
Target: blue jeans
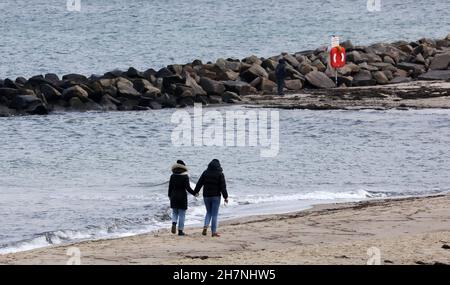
[(212, 205), (178, 216)]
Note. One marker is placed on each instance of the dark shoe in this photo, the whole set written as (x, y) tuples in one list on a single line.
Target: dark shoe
[(174, 228), (215, 235), (181, 233), (205, 231)]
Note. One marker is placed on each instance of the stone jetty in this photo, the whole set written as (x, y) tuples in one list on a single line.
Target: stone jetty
[(225, 81)]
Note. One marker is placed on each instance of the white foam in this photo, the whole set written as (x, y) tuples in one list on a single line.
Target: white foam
[(195, 216), (317, 195)]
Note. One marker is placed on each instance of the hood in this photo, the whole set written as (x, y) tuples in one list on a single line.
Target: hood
[(215, 165), (179, 169)]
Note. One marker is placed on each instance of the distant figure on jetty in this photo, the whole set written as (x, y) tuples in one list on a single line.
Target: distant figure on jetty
[(280, 73), (214, 186), (178, 187)]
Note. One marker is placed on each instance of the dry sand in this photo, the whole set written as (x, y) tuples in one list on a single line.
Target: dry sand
[(404, 231)]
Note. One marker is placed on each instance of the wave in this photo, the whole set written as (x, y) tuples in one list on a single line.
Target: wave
[(120, 228), (317, 195)]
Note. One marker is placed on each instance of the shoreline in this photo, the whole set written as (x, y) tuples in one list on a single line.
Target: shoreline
[(252, 79), (324, 234)]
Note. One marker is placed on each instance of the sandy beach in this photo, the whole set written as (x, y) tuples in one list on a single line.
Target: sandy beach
[(395, 231)]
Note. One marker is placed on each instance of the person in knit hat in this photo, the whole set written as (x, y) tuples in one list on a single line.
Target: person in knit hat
[(179, 186)]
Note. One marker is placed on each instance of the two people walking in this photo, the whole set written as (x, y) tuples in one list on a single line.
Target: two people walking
[(214, 188)]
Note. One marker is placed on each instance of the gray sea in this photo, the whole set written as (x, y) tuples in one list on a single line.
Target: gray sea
[(42, 36), (77, 176), (81, 176)]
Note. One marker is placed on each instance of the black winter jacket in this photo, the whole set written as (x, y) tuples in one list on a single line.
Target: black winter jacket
[(178, 187), (280, 71), (213, 181)]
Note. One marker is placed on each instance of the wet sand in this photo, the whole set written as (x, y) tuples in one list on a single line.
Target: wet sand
[(394, 231), (411, 95)]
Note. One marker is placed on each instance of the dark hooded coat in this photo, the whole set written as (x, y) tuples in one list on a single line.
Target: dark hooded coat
[(213, 181), (179, 186)]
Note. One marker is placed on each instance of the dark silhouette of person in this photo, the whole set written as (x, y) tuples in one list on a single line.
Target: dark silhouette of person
[(280, 73)]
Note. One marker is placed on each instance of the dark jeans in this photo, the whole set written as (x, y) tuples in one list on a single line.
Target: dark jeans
[(280, 83), (212, 205)]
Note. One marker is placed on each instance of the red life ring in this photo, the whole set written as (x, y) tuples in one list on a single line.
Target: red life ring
[(337, 57)]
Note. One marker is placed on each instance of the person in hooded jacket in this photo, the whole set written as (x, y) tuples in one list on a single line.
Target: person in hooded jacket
[(178, 187), (280, 73), (214, 186)]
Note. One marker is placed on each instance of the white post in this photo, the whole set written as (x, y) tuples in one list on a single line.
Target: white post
[(336, 77)]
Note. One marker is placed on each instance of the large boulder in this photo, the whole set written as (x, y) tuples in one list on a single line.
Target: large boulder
[(436, 75), (412, 68), (367, 66), (7, 93), (305, 68), (78, 105), (252, 60), (21, 81), (269, 64), (320, 80), (363, 78), (291, 60), (319, 65), (75, 91), (383, 49), (355, 57), (440, 62), (78, 78), (418, 59), (267, 86), (254, 72), (166, 100), (294, 85), (10, 84), (164, 72), (383, 66), (406, 48), (53, 78), (371, 58), (50, 93), (212, 87), (186, 101), (225, 75), (226, 65), (293, 73), (21, 102), (388, 59), (109, 103), (176, 68), (240, 87), (196, 89), (144, 86), (134, 73), (349, 68), (380, 77), (125, 88), (37, 108), (230, 97)]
